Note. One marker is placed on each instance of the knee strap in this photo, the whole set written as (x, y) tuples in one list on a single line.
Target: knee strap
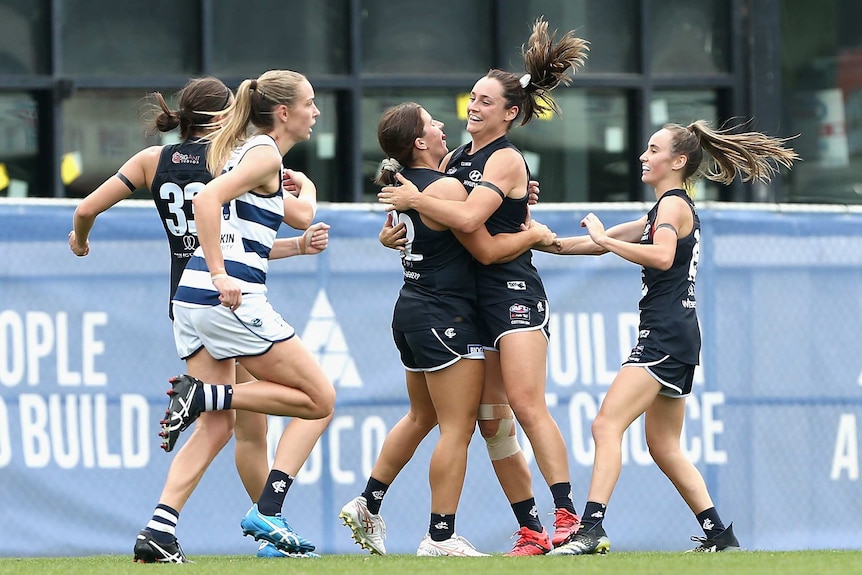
[(504, 443)]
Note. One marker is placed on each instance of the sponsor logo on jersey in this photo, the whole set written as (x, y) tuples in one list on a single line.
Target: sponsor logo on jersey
[(178, 158), (412, 275), (518, 285), (475, 175), (189, 242), (519, 314)]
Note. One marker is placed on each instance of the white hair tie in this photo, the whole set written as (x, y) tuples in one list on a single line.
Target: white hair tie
[(525, 80), (390, 165)]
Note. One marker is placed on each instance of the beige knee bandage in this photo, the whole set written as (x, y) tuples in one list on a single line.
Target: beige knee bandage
[(504, 443)]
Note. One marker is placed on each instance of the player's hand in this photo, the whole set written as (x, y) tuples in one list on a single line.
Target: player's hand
[(595, 227), (545, 237), (230, 294), (78, 249), (292, 181), (287, 182), (533, 192), (316, 238), (393, 236), (401, 197)]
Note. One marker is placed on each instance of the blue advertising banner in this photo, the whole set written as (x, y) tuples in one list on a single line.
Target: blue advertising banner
[(86, 349)]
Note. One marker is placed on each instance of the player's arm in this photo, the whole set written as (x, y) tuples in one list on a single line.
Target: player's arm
[(674, 220), (505, 247), (585, 246), (132, 175), (504, 170), (487, 249)]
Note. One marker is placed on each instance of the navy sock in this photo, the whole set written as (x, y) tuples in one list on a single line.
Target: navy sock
[(562, 493), (527, 514), (442, 527), (163, 525), (593, 515), (374, 493), (274, 492), (710, 522), (213, 397)]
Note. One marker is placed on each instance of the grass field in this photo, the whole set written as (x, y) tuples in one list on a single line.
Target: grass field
[(745, 563)]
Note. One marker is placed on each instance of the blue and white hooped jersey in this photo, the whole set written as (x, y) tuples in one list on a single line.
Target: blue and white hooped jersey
[(249, 225)]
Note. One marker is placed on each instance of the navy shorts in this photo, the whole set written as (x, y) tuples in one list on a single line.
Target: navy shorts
[(675, 377), (433, 348), (510, 316)]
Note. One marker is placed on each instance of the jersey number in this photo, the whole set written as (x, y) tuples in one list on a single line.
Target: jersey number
[(176, 199), (408, 254)]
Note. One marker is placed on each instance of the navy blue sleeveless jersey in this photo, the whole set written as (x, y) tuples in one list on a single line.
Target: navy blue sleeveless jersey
[(668, 314), (439, 280), (518, 278), (180, 175)]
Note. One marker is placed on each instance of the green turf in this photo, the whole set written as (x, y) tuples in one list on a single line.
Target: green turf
[(745, 563)]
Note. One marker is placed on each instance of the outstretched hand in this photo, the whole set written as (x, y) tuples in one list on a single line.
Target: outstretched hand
[(595, 227), (545, 236)]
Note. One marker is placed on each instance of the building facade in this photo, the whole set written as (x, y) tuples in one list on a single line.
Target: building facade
[(74, 75)]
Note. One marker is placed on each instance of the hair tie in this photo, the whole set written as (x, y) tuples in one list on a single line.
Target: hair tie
[(390, 165), (524, 80), (253, 85)]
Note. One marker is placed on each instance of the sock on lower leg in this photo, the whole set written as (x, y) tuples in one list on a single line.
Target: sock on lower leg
[(163, 525), (527, 514), (374, 493), (593, 515), (562, 494), (210, 397), (442, 527), (274, 491), (710, 522)]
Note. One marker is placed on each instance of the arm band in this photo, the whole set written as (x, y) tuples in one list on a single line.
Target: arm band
[(491, 186), (126, 181), (668, 226)]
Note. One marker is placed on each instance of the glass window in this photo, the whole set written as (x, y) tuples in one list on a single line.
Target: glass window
[(26, 33), (580, 157), (101, 130), (609, 25), (685, 107), (690, 37), (158, 37), (19, 148), (821, 56), (320, 157), (584, 155), (426, 37), (308, 36)]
